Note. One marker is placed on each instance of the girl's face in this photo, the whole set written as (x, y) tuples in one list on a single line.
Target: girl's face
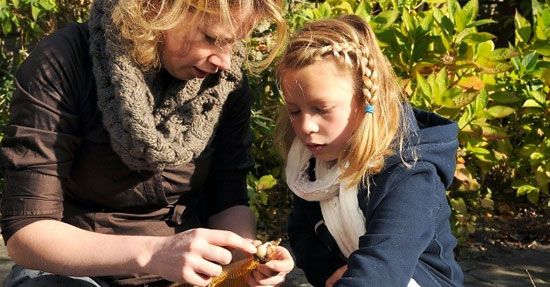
[(322, 106), (196, 52)]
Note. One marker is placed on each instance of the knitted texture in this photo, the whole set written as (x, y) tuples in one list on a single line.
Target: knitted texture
[(153, 119)]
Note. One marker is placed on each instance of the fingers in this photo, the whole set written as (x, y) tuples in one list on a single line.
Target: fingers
[(257, 278), (282, 260), (228, 239), (216, 254), (196, 279), (273, 272), (336, 276)]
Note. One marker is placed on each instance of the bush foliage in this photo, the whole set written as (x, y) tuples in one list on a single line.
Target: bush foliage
[(446, 61)]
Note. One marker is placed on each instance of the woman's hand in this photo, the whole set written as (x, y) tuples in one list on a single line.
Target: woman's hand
[(336, 276), (196, 255), (273, 272)]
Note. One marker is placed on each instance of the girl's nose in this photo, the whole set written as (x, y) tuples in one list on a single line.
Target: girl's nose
[(309, 125)]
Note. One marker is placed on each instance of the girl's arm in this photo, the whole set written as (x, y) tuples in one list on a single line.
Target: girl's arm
[(311, 254), (401, 225), (192, 256)]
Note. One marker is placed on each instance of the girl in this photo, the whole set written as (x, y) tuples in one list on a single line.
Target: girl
[(108, 154), (368, 172)]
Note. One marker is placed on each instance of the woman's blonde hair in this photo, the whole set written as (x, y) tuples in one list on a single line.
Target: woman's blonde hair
[(142, 22), (381, 132)]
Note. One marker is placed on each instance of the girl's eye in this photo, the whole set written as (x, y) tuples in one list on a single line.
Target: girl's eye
[(293, 112), (321, 110)]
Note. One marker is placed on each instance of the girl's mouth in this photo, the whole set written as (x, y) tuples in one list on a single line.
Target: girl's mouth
[(315, 148)]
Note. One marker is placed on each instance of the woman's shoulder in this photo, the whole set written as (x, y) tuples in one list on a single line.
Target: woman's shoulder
[(59, 68), (64, 48)]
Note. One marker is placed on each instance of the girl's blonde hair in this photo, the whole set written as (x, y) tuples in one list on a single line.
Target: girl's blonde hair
[(382, 132), (142, 22)]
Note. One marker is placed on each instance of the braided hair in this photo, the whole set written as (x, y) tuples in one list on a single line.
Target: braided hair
[(350, 40)]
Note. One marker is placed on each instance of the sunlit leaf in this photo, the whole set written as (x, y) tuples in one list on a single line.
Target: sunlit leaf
[(499, 111), (266, 182), (523, 28), (531, 103)]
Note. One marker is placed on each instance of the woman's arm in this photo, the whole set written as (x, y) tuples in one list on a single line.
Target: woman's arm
[(193, 256), (238, 219)]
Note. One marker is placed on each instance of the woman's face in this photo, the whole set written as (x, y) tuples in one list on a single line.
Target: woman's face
[(322, 106), (205, 48)]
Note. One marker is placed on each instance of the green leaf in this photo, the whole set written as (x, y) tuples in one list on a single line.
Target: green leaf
[(470, 11), (447, 25), (529, 62), (485, 49), (478, 150), (480, 103), (502, 54), (533, 196), (35, 12), (427, 22), (424, 86), (542, 30), (475, 38), (482, 22), (525, 189), (523, 28), (499, 112), (364, 10), (459, 205), (503, 97), (486, 203), (493, 133), (420, 47), (266, 182), (407, 22), (6, 27), (345, 8), (384, 20), (542, 47), (531, 103)]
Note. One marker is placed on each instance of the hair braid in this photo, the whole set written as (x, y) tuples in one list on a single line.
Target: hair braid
[(351, 41)]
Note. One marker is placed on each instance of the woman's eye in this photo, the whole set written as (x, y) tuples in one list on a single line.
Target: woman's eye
[(209, 39)]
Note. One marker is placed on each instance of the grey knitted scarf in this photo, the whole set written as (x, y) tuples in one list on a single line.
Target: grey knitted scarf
[(153, 119)]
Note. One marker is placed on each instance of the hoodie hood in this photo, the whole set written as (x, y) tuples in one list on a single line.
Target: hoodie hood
[(433, 139)]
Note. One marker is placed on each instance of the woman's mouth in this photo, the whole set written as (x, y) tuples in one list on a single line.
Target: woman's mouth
[(198, 73)]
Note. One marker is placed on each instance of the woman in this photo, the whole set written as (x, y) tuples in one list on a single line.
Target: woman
[(127, 135)]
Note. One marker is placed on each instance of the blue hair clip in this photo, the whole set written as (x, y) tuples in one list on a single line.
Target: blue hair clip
[(369, 109)]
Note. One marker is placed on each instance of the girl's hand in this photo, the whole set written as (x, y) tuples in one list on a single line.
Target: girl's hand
[(196, 255), (336, 276), (273, 272)]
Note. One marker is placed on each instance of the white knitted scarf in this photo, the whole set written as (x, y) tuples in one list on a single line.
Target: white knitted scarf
[(339, 205)]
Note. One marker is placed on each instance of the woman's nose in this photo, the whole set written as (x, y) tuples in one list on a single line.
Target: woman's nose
[(221, 59)]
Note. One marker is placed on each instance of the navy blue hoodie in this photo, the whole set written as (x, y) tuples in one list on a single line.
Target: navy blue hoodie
[(407, 215)]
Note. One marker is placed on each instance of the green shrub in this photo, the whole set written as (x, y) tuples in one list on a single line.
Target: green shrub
[(498, 96), (447, 63)]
